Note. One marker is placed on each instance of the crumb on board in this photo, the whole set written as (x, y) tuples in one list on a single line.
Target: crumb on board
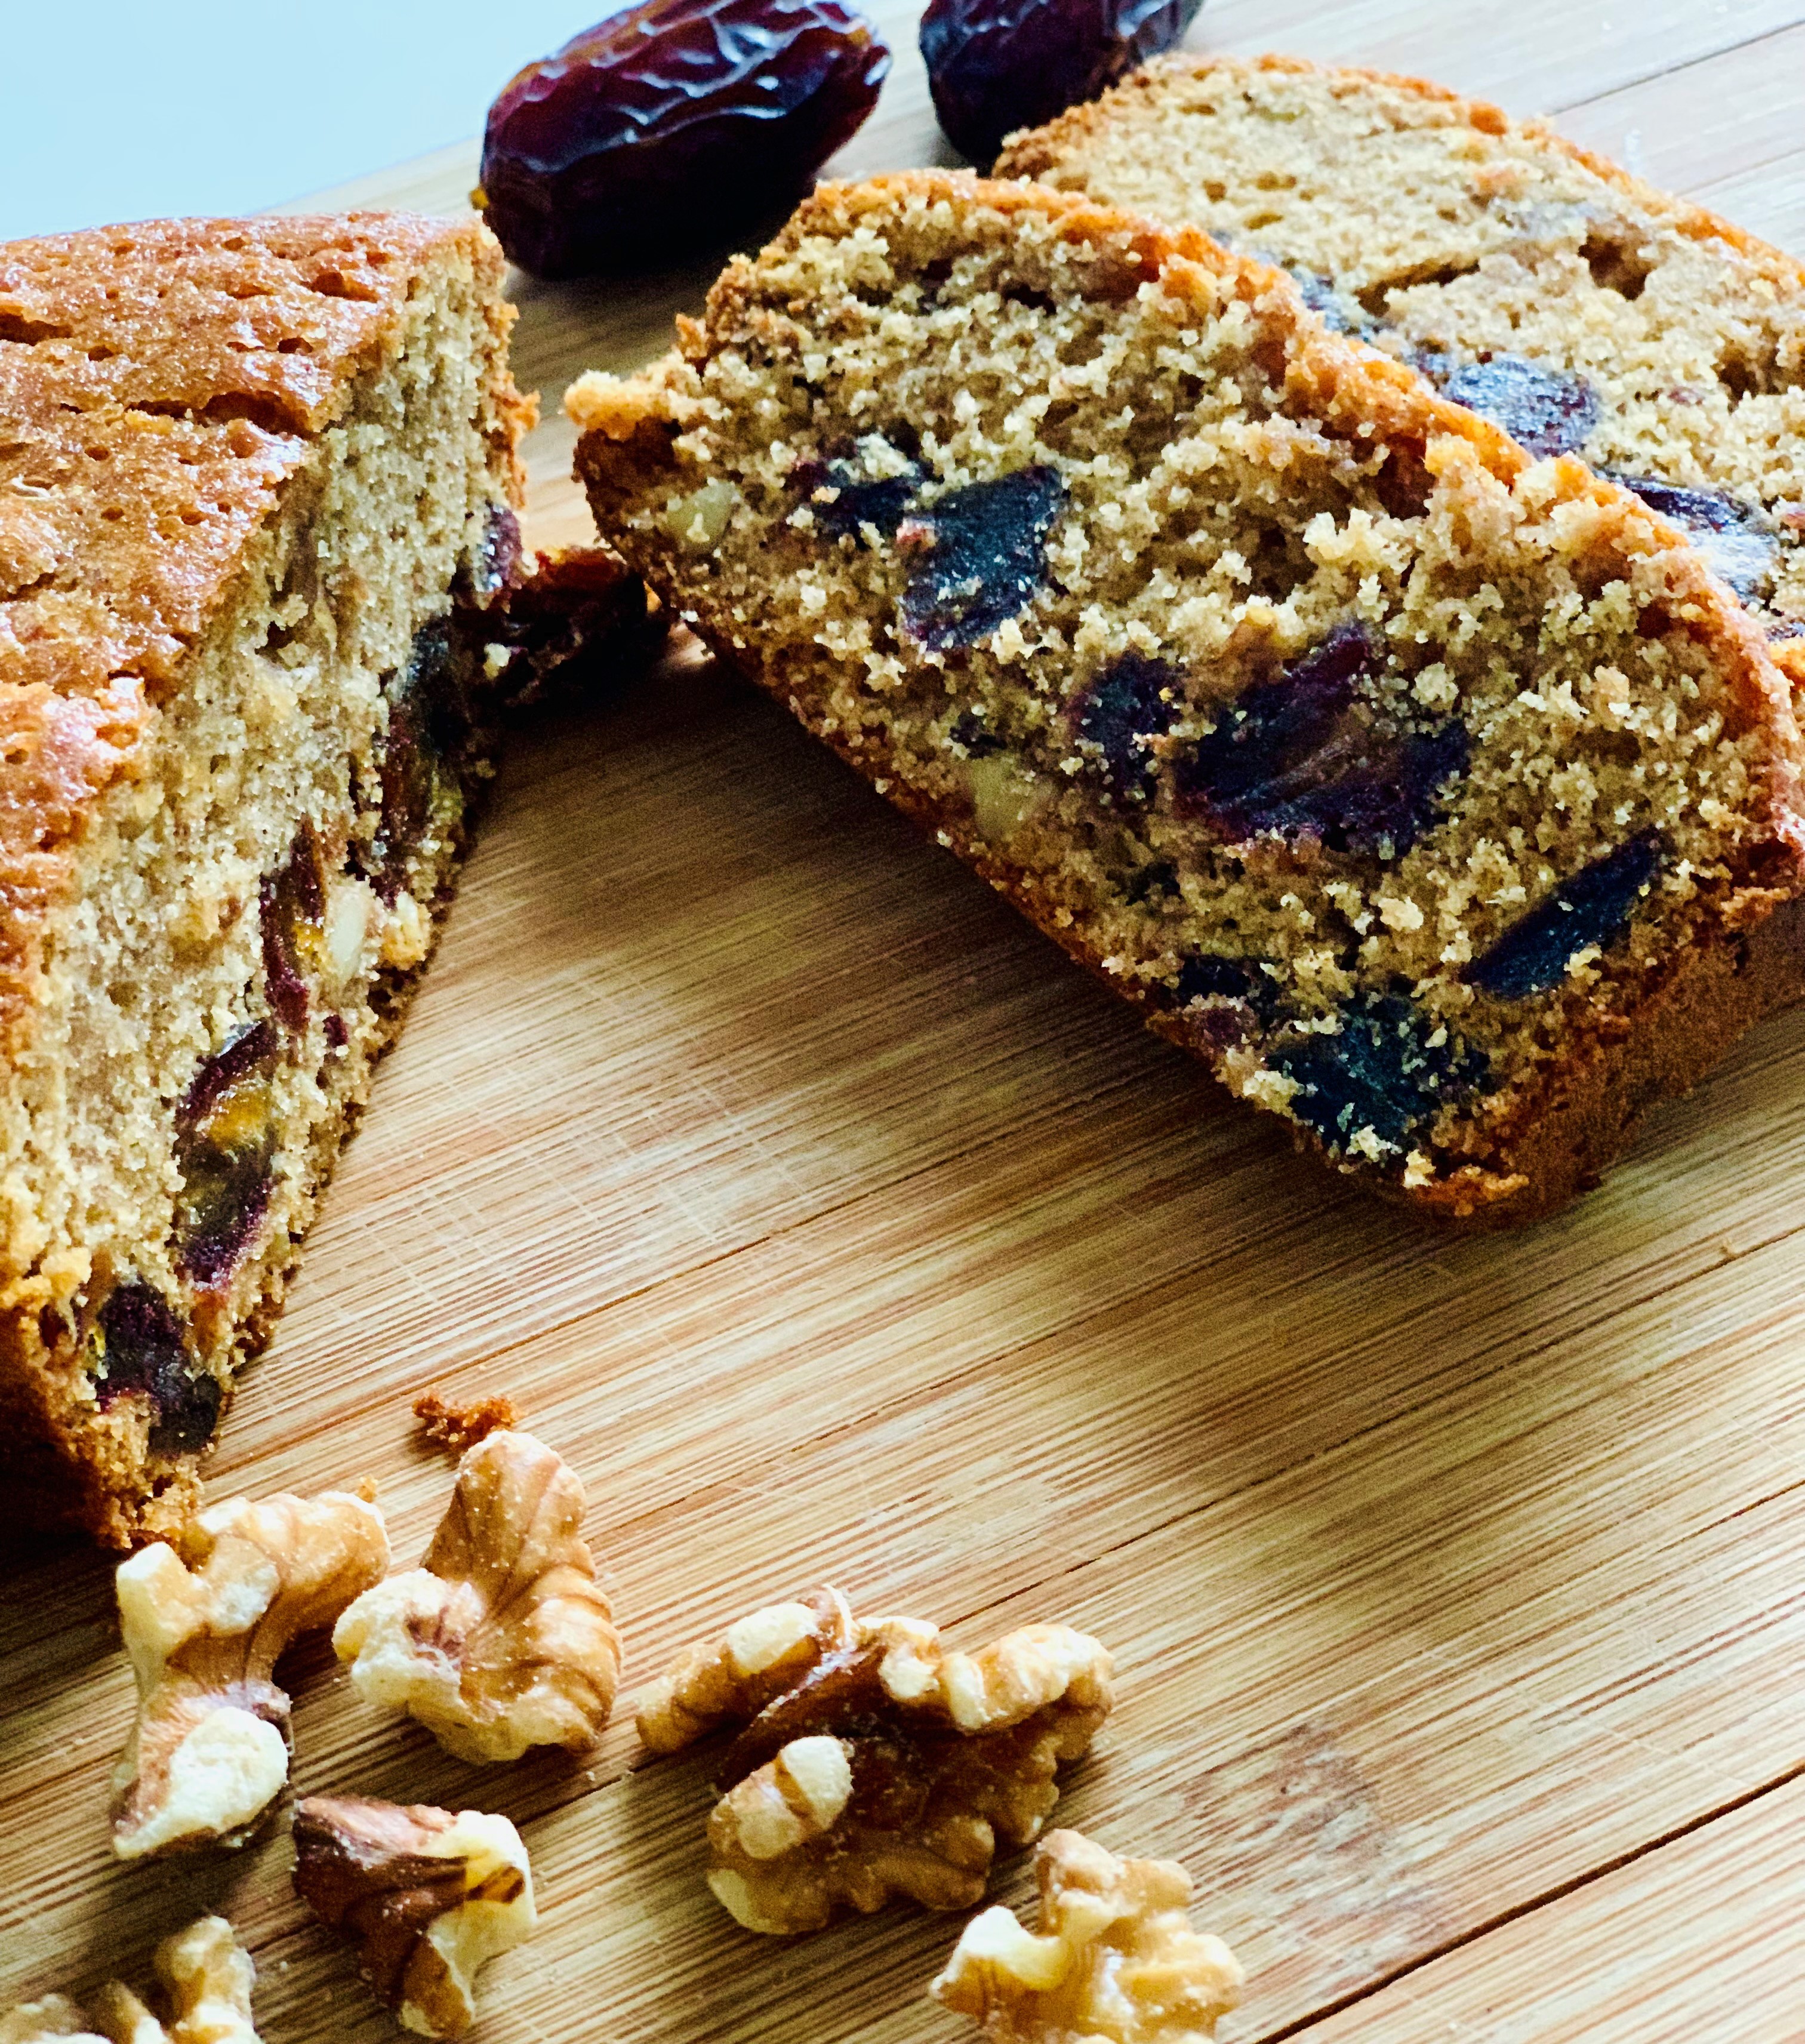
[(454, 1426)]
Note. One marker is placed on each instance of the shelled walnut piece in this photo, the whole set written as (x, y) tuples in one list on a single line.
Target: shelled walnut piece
[(872, 1761), (429, 1897), (1116, 1961), (206, 1979), (204, 1622), (502, 1639)]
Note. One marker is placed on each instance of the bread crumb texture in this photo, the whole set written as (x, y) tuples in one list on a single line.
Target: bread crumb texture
[(1419, 786)]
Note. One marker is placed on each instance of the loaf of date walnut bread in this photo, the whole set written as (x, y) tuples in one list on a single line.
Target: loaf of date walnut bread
[(1442, 801), (256, 489), (1540, 286)]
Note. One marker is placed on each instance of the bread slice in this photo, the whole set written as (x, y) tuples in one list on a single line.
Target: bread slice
[(1442, 801), (1569, 302), (256, 482)]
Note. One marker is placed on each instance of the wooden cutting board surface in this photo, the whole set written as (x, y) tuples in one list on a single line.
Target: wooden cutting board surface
[(835, 1227)]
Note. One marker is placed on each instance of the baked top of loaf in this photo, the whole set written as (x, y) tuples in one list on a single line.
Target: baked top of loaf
[(156, 384), (1296, 700), (159, 385), (1580, 307)]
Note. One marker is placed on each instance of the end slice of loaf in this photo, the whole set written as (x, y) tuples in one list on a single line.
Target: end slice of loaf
[(256, 489), (1442, 801), (1571, 304)]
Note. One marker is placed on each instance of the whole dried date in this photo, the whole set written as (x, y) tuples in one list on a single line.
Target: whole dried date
[(658, 131), (996, 65)]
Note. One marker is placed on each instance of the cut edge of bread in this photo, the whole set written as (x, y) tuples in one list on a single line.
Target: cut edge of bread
[(276, 689)]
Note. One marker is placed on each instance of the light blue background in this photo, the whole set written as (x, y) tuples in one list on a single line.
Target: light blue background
[(123, 109)]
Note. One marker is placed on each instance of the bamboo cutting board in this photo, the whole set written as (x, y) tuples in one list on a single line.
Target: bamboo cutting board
[(835, 1227)]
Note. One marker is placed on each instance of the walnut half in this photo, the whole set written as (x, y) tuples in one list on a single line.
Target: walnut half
[(430, 1898), (1116, 1961), (206, 1980), (872, 1761), (502, 1639), (204, 1624)]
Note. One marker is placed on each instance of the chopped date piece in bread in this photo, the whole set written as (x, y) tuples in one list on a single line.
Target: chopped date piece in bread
[(977, 556), (1740, 544), (1590, 910), (1125, 712), (225, 1141), (1544, 411), (140, 1353), (1303, 756)]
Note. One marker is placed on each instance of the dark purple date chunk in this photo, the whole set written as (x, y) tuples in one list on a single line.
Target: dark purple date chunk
[(1224, 999), (577, 623), (430, 729), (224, 1144), (1303, 756), (1544, 411), (846, 497), (996, 65), (142, 1350), (1380, 1072), (661, 129), (1738, 544), (978, 556), (292, 906), (496, 567), (1338, 313), (1208, 976), (1593, 908), (1131, 706)]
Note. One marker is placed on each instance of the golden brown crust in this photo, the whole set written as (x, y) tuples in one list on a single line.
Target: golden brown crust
[(1748, 960), (159, 384)]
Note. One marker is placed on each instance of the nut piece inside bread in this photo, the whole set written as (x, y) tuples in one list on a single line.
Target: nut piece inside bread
[(256, 486), (1441, 799)]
